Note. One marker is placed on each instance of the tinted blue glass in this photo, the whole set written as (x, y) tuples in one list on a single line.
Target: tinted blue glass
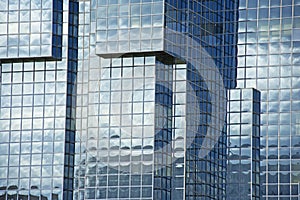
[(128, 89), (274, 79), (40, 162)]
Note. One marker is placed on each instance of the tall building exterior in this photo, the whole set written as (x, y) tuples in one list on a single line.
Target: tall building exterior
[(37, 114), (115, 99), (268, 60), (151, 98)]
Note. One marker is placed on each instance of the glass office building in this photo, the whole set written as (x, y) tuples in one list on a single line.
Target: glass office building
[(268, 60), (151, 98), (115, 99), (37, 113)]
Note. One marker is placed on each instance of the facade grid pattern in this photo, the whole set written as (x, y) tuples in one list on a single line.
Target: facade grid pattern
[(113, 99), (37, 104), (31, 29), (268, 60), (243, 142)]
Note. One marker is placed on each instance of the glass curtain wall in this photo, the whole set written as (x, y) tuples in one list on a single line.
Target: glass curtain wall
[(138, 134), (37, 112), (268, 60)]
